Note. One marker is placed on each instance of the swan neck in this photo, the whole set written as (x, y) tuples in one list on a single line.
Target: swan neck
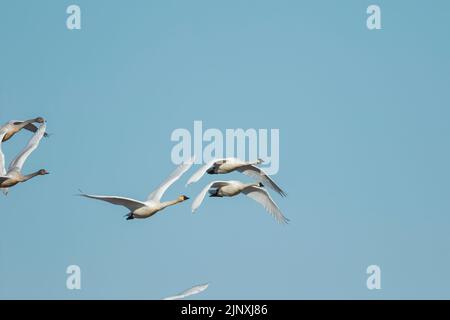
[(170, 203), (30, 176)]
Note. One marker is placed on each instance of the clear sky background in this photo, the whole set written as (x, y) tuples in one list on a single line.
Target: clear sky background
[(364, 157)]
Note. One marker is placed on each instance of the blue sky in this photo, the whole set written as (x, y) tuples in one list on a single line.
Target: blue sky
[(363, 119)]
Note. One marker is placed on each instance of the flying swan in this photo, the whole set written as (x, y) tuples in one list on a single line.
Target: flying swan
[(227, 165), (153, 204), (14, 176), (254, 191), (14, 126), (189, 292)]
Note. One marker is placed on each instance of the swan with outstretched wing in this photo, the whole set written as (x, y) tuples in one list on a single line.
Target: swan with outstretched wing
[(227, 165), (145, 209), (254, 191), (13, 176), (14, 126)]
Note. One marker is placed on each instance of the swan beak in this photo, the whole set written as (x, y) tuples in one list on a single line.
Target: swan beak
[(186, 198)]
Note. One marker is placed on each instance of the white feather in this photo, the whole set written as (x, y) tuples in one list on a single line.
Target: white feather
[(189, 292), (19, 161), (158, 193), (262, 197)]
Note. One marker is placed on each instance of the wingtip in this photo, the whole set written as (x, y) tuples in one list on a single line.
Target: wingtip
[(282, 193)]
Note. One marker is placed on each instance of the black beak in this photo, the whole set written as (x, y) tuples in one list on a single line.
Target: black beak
[(211, 171), (186, 198)]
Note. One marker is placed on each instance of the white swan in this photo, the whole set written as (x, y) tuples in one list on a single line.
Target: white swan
[(227, 165), (233, 188), (14, 176), (189, 292), (153, 204), (14, 126)]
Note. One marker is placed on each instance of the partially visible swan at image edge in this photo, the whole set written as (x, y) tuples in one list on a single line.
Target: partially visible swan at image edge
[(227, 165), (14, 126), (189, 292), (254, 191), (14, 175), (145, 209)]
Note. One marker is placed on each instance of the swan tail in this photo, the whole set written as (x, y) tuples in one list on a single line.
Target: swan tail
[(129, 216)]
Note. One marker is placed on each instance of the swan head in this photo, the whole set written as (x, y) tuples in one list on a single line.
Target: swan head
[(40, 120), (43, 172), (211, 170), (183, 198)]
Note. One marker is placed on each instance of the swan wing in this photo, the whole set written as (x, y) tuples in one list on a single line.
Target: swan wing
[(200, 172), (260, 175), (14, 122), (189, 292), (3, 132), (30, 126), (262, 197), (174, 176), (19, 161), (199, 199), (33, 128), (131, 204)]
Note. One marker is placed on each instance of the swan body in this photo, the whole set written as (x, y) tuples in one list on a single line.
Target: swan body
[(227, 165), (14, 126), (13, 176), (189, 292), (254, 191), (153, 204)]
